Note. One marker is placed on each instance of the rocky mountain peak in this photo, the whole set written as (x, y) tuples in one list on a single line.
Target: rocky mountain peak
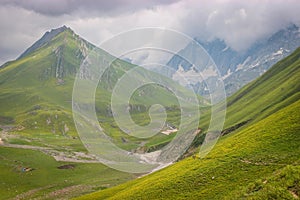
[(46, 38)]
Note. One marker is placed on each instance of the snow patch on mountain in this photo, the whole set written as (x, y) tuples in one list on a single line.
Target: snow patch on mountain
[(238, 68), (279, 52), (227, 75)]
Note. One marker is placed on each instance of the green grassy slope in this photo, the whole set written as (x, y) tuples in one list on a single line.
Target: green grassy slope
[(37, 87), (283, 184), (236, 161), (37, 101), (46, 179), (275, 89), (256, 152), (36, 95)]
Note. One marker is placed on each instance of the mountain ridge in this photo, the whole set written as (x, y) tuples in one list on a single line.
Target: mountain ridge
[(47, 37), (239, 68)]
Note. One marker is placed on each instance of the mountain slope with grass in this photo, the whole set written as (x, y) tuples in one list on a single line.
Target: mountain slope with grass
[(257, 160), (37, 131), (36, 93), (41, 155), (36, 88)]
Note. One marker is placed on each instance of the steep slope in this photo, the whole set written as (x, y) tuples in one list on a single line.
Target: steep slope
[(255, 152), (275, 89), (47, 37), (261, 56), (36, 89)]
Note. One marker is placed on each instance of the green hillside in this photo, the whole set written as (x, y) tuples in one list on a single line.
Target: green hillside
[(50, 179), (36, 95), (36, 121), (257, 158), (36, 91)]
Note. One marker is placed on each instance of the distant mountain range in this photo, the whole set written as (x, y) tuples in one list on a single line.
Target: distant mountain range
[(239, 68)]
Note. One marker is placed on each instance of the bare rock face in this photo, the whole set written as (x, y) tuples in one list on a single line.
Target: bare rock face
[(48, 121), (59, 68), (66, 128)]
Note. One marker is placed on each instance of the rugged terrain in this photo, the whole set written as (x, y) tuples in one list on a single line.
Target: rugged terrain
[(42, 156), (257, 158)]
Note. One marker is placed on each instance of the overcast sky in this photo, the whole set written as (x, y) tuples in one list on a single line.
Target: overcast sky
[(239, 23)]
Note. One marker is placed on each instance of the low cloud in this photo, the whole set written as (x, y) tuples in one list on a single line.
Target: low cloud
[(238, 23), (77, 7)]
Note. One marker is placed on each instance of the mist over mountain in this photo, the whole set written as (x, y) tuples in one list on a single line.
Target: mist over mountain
[(239, 68)]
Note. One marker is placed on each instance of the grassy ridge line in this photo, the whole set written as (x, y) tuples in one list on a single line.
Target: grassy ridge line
[(275, 89), (237, 160)]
